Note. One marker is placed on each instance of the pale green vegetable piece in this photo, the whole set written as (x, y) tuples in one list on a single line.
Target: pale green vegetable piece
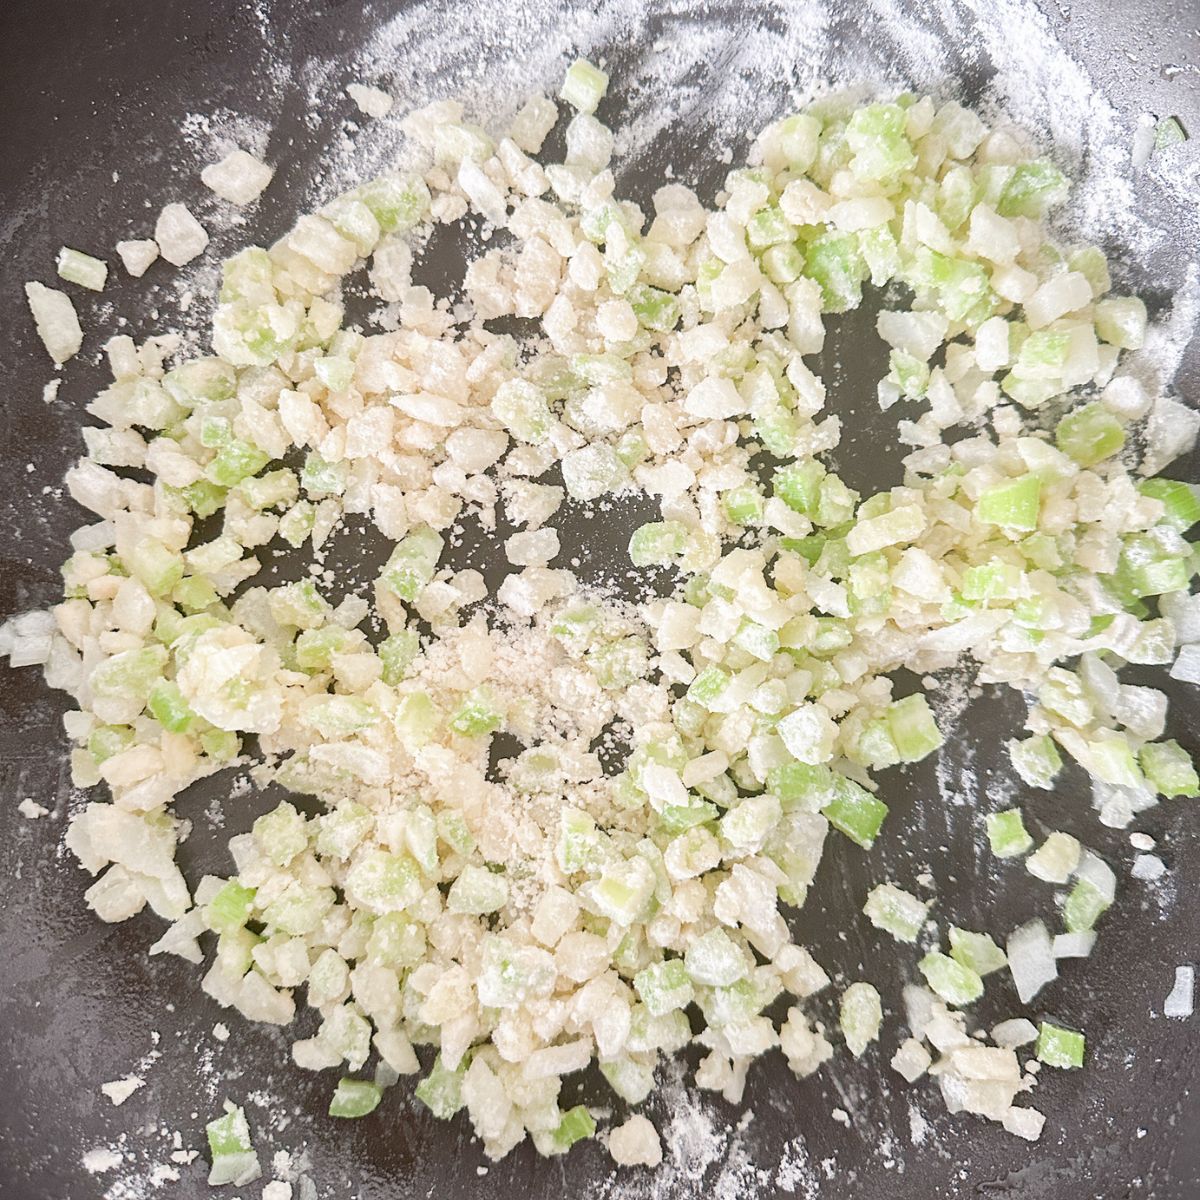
[(56, 321), (477, 890), (896, 911), (355, 1098), (949, 978), (584, 86), (860, 1016), (976, 951), (76, 267), (1059, 1047), (664, 986), (233, 1157), (1007, 833)]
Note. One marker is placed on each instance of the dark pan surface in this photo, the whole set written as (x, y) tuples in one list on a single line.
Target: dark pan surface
[(87, 88)]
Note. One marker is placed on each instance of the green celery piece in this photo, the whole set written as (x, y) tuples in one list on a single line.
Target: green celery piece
[(478, 714), (1084, 906), (355, 1098), (658, 543), (321, 478), (315, 648), (1014, 504), (1090, 434), (1181, 501), (576, 1124), (397, 653), (743, 505), (235, 461), (1059, 1047), (1007, 833), (876, 135), (230, 908), (168, 707), (1168, 767), (397, 202), (976, 951), (1032, 189), (707, 687), (799, 486), (664, 986), (835, 262), (413, 562), (441, 1090), (896, 911), (955, 983), (913, 728), (855, 812)]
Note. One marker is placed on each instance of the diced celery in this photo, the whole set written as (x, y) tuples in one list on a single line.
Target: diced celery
[(234, 461), (579, 841), (576, 1124), (1036, 759), (1032, 189), (657, 544), (397, 202), (855, 812), (876, 134), (522, 409), (355, 1098), (976, 951), (1180, 501), (343, 829), (1084, 906), (233, 1157), (477, 890), (708, 686), (913, 728), (1059, 1047), (1169, 132), (106, 740), (1121, 321), (1007, 833), (194, 594), (617, 665), (321, 478), (441, 1090), (397, 653), (860, 1016), (664, 986), (168, 707), (385, 882), (230, 908), (158, 567), (799, 486), (413, 562), (955, 983), (834, 261), (416, 718), (799, 785), (1168, 768), (131, 674), (315, 648), (895, 911), (298, 604), (221, 744), (335, 717), (769, 227), (282, 834), (584, 86), (654, 309), (203, 498), (1014, 504), (478, 714), (1090, 434), (743, 505), (76, 267), (996, 580)]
